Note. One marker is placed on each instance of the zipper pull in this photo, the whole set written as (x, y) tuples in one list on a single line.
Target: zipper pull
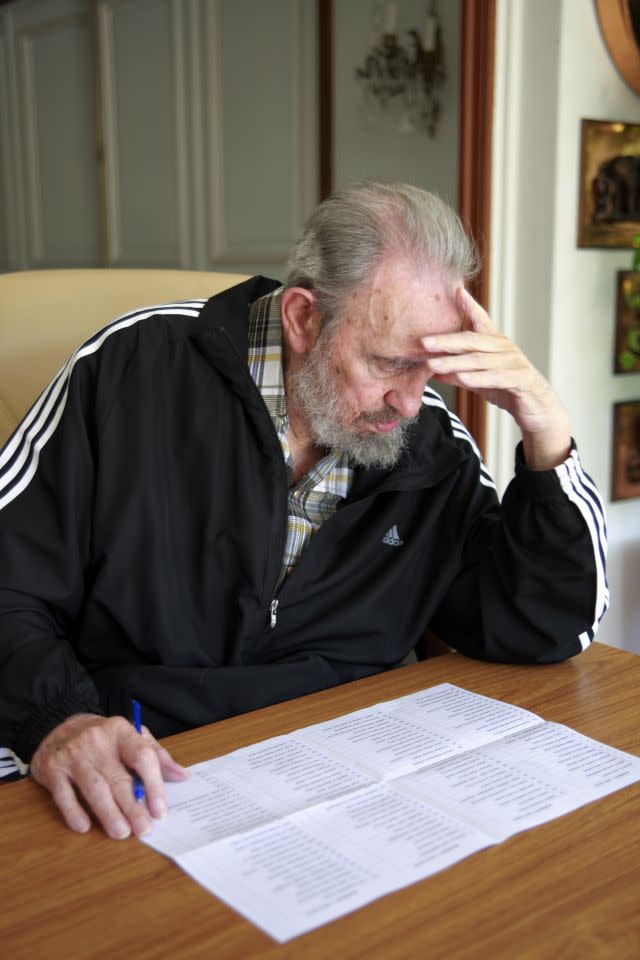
[(273, 608)]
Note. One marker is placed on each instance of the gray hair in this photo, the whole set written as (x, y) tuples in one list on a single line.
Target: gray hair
[(349, 234)]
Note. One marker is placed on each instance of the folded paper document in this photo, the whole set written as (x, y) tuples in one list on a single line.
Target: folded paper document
[(300, 829)]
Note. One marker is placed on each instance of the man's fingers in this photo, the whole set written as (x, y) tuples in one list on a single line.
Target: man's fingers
[(97, 789), (135, 812), (475, 316), (98, 795), (64, 797), (171, 769), (502, 380), (142, 755), (459, 363), (467, 341)]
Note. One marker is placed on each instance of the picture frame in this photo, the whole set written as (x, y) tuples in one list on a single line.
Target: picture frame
[(626, 354), (625, 474), (609, 201)]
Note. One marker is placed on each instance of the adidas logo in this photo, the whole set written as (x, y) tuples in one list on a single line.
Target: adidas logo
[(392, 537)]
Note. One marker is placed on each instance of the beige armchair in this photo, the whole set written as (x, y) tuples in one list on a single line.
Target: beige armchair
[(46, 314)]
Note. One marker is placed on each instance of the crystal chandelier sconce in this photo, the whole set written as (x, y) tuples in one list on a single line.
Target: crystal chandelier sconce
[(408, 77)]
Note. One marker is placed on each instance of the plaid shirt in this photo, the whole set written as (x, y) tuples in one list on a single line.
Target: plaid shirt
[(316, 496)]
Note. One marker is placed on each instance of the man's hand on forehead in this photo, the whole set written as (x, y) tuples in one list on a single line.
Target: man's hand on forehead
[(480, 358), (477, 356)]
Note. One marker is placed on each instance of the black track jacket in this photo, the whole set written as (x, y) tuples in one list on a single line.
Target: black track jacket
[(142, 523)]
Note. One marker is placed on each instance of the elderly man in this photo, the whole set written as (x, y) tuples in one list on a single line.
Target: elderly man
[(243, 500)]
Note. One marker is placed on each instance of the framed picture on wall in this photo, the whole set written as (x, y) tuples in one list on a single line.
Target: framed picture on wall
[(609, 209), (627, 331), (625, 481)]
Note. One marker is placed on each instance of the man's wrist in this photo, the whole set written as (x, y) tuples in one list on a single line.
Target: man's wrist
[(43, 720), (543, 451)]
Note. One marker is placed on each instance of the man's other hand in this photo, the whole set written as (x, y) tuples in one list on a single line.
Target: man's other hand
[(91, 758)]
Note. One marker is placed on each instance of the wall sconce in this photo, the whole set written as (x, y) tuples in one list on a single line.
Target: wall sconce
[(410, 76)]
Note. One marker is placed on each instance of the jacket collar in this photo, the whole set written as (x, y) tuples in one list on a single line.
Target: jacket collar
[(228, 311)]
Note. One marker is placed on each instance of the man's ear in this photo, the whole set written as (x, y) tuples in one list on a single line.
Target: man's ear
[(301, 320)]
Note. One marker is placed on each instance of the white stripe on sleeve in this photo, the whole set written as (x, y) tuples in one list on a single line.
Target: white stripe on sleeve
[(581, 491), (10, 763)]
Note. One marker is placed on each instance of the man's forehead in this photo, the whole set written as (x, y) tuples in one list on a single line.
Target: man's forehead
[(398, 274), (402, 313)]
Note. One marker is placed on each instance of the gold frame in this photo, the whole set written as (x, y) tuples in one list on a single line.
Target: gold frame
[(617, 31), (625, 462), (626, 354), (602, 140)]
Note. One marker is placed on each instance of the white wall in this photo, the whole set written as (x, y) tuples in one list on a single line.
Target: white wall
[(556, 300)]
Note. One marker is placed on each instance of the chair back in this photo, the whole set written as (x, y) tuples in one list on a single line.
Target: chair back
[(46, 314)]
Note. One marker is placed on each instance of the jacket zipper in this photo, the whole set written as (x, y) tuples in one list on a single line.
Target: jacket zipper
[(273, 606), (273, 609)]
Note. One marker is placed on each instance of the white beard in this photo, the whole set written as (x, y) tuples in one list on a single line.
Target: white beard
[(316, 393)]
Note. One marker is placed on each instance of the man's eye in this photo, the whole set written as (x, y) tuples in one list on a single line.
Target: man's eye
[(386, 366), (394, 367)]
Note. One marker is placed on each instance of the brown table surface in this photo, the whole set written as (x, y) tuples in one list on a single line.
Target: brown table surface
[(569, 888)]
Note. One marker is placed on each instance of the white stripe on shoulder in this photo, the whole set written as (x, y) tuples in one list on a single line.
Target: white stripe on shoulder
[(90, 345), (21, 454), (581, 491), (432, 399)]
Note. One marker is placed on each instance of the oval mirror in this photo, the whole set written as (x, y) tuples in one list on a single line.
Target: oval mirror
[(620, 28)]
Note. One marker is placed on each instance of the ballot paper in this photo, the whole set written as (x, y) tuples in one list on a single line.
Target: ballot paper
[(297, 830)]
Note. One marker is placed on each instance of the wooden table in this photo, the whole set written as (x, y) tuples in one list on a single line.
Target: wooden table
[(569, 888)]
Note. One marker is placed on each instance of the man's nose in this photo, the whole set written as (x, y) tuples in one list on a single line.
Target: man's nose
[(408, 398)]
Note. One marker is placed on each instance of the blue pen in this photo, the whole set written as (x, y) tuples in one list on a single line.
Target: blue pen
[(138, 786)]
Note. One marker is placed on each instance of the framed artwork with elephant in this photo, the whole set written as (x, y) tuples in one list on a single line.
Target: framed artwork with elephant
[(609, 208)]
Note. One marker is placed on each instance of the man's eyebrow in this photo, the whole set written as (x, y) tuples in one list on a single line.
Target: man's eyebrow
[(400, 363)]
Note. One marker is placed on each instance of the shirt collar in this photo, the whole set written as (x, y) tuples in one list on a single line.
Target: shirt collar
[(265, 352)]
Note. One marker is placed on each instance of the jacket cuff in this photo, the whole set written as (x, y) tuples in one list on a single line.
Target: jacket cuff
[(542, 484), (42, 721)]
